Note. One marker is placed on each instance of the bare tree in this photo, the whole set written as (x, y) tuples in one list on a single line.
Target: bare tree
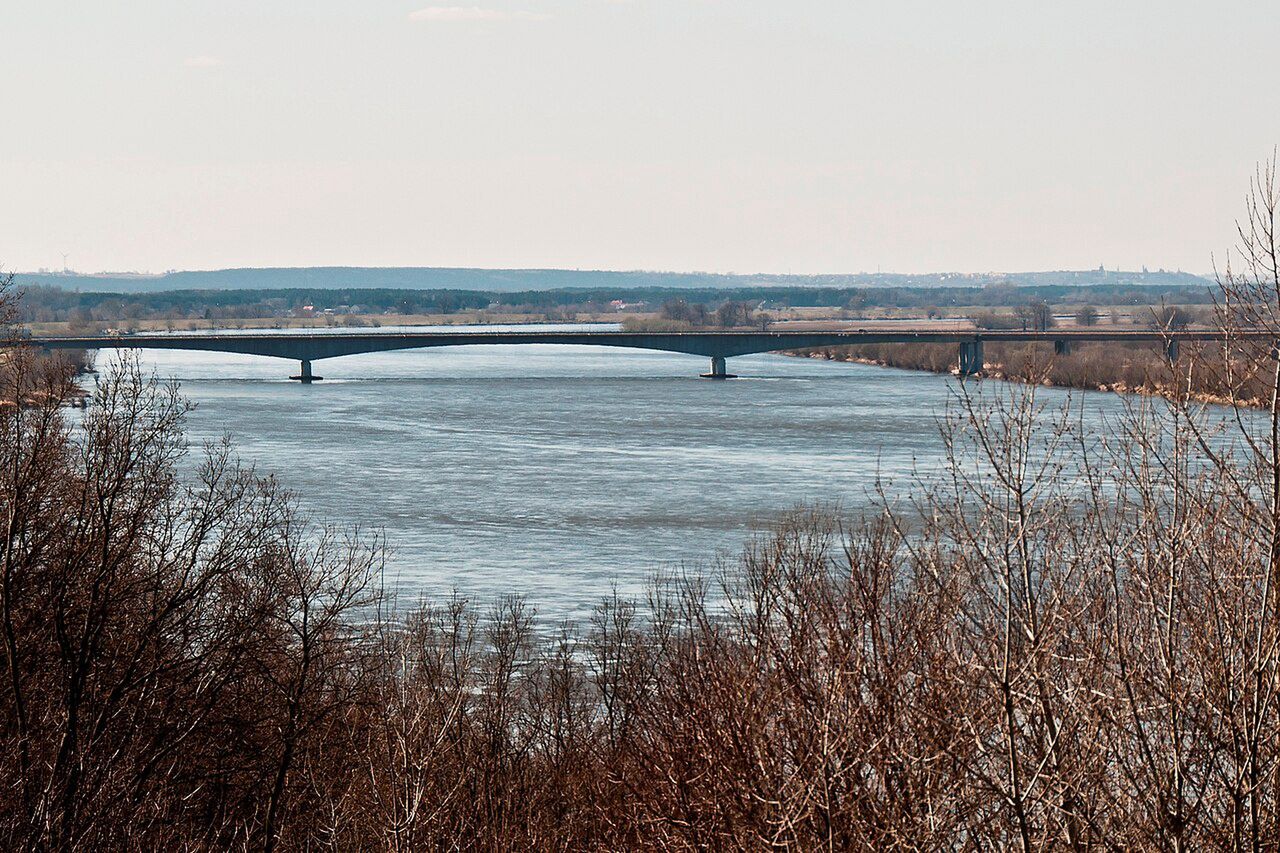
[(1087, 315)]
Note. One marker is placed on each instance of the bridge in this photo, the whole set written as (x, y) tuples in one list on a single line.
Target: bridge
[(714, 345)]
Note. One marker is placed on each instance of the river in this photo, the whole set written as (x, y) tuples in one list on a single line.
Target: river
[(561, 473)]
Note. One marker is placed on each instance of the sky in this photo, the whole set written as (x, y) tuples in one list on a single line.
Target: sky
[(803, 136)]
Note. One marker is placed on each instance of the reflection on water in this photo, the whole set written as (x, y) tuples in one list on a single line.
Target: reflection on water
[(560, 472)]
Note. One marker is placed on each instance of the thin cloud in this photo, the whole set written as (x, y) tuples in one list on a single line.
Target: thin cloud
[(457, 14), (202, 62)]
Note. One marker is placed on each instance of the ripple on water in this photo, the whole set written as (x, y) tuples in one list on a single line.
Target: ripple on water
[(557, 472)]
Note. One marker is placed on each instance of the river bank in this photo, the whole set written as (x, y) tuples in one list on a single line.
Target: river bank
[(1120, 368)]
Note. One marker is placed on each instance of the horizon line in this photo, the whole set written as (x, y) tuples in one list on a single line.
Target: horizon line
[(70, 273)]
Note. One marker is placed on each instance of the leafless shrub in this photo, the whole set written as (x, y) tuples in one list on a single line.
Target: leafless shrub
[(1070, 638)]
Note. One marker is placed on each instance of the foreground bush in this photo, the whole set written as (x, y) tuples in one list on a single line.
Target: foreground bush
[(1067, 638), (1069, 641)]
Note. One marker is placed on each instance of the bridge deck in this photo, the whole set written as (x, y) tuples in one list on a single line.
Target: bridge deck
[(717, 345)]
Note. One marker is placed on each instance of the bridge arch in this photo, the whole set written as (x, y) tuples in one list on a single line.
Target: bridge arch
[(715, 345)]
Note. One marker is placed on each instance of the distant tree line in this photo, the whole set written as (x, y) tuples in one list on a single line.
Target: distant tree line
[(730, 314), (1033, 653), (1063, 640), (526, 280), (41, 303)]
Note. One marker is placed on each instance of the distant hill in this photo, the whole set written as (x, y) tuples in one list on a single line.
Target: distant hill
[(511, 281)]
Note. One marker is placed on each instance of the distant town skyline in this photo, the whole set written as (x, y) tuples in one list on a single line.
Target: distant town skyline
[(685, 135)]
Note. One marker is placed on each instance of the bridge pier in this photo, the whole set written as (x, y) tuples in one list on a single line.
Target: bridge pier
[(717, 369), (306, 376), (971, 358), (736, 343)]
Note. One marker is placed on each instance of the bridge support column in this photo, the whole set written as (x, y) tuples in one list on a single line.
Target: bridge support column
[(1062, 347), (1171, 350), (717, 369), (306, 376), (971, 359)]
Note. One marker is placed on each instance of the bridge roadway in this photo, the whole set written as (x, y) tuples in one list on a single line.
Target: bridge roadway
[(717, 346)]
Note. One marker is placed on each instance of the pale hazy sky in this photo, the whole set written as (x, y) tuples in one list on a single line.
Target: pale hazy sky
[(728, 135)]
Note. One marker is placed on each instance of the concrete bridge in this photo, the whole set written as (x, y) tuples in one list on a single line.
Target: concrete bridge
[(716, 346)]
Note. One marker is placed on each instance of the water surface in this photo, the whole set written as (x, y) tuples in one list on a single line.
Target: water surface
[(560, 472)]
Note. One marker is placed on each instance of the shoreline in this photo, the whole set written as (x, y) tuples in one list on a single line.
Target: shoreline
[(994, 369), (998, 372)]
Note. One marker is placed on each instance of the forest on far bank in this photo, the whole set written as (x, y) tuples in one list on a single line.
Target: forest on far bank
[(49, 304), (1067, 640), (527, 280)]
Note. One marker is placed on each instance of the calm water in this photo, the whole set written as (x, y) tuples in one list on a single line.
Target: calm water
[(561, 472)]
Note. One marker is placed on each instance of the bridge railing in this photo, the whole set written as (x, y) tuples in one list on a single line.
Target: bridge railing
[(715, 345)]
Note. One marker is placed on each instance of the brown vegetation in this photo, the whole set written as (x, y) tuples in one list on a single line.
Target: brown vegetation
[(678, 315), (1236, 375), (47, 378), (1073, 643), (1068, 640)]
